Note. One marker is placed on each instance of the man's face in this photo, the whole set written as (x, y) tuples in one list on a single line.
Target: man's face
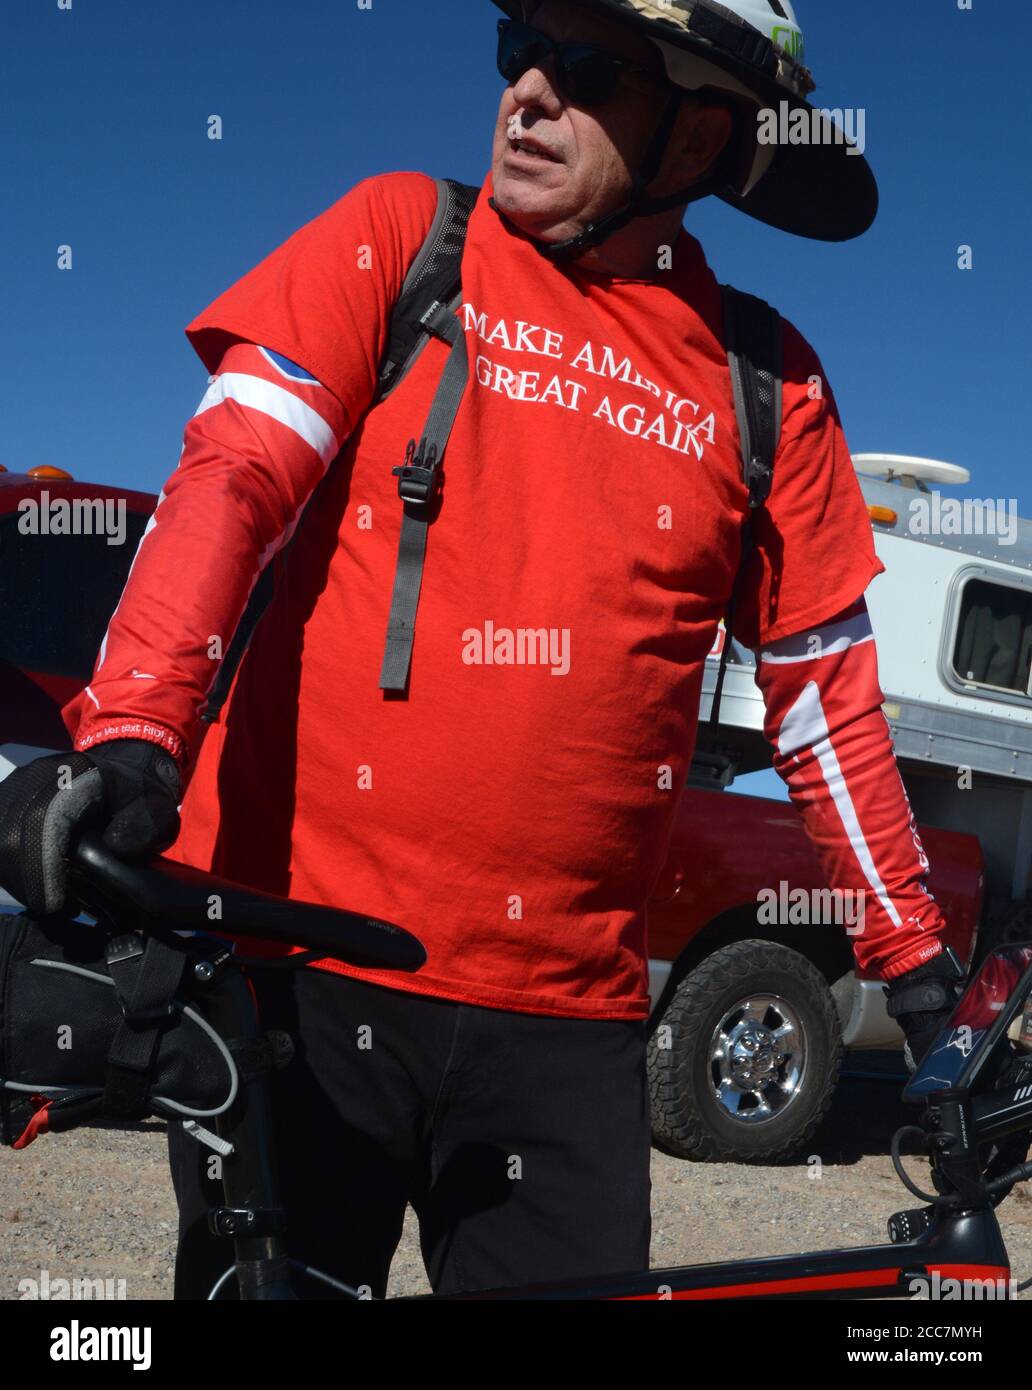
[(593, 151)]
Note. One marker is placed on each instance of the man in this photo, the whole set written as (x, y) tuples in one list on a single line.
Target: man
[(514, 808)]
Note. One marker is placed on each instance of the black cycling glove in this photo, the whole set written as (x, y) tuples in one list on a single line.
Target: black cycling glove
[(922, 1000), (128, 790)]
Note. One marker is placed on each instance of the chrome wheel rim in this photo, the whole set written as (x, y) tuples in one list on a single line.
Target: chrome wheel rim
[(757, 1058)]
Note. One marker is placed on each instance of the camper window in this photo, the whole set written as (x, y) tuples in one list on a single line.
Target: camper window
[(994, 637)]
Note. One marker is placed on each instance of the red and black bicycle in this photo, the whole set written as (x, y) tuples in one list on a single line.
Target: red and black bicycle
[(972, 1097)]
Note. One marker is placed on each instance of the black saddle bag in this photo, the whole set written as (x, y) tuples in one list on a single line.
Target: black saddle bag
[(95, 1028)]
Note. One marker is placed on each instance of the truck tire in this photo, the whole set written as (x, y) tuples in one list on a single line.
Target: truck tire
[(744, 1060)]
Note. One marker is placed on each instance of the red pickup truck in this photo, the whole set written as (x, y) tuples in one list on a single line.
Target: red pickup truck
[(754, 988), (751, 1008)]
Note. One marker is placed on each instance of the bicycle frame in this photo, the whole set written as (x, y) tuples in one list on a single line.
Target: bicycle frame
[(961, 1244), (955, 1236), (958, 1247)]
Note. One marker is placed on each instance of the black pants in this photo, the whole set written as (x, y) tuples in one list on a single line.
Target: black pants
[(522, 1142)]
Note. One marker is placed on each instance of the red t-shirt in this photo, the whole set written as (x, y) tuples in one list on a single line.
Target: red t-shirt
[(514, 810)]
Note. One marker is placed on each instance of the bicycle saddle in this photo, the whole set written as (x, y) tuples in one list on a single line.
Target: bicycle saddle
[(179, 898)]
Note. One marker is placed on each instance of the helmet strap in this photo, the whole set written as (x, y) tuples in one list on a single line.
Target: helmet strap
[(639, 204)]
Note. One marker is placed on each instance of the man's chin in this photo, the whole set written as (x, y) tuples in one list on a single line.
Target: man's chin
[(536, 211)]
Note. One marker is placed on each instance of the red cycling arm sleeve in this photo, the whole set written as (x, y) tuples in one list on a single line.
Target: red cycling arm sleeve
[(832, 748), (262, 438)]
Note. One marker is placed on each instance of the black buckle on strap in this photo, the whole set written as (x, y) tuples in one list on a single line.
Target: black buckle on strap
[(246, 1222), (759, 480), (419, 476), (125, 947), (440, 322)]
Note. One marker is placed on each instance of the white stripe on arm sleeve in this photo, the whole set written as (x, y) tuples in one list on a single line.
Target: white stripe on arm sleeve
[(254, 452), (832, 748)]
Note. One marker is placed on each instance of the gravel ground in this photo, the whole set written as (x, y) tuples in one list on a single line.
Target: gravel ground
[(99, 1204)]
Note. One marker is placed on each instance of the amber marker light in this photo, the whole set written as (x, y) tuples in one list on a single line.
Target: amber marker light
[(47, 470)]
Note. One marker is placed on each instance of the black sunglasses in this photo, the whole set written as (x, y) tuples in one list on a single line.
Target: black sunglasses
[(587, 74)]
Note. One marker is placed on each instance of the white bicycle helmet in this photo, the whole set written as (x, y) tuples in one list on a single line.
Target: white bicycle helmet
[(753, 51)]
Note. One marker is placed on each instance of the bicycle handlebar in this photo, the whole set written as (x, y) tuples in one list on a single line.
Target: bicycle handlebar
[(180, 898)]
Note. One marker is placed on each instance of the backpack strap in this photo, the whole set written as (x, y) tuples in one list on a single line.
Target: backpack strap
[(419, 480), (261, 597), (752, 336), (433, 280), (433, 277), (426, 308)]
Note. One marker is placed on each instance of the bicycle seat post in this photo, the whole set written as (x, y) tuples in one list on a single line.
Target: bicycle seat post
[(252, 1215), (952, 1138)]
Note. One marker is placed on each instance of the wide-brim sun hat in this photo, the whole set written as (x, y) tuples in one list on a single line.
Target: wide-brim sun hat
[(821, 187)]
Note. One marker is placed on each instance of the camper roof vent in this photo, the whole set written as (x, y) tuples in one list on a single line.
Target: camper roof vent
[(909, 472)]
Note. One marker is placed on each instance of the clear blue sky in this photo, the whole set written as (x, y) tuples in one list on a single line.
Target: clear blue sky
[(103, 143)]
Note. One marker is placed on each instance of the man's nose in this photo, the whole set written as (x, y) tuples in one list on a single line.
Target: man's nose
[(537, 88)]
